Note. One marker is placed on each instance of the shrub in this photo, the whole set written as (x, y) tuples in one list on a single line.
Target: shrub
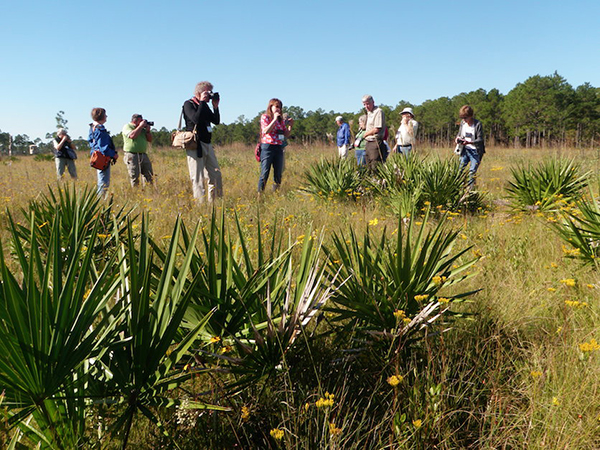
[(337, 178), (581, 229), (547, 186)]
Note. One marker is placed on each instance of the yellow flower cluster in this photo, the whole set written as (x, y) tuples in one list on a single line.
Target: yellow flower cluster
[(277, 434), (215, 339), (443, 300), (326, 401), (570, 282), (536, 373), (575, 303), (401, 315), (395, 380), (555, 401), (245, 413), (373, 222), (333, 430), (417, 423), (439, 280), (569, 252), (591, 346), (421, 298)]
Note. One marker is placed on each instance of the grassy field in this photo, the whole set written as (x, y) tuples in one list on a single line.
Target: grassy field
[(517, 369)]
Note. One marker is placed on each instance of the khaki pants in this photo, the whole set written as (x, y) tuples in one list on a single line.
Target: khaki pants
[(206, 166), (138, 163)]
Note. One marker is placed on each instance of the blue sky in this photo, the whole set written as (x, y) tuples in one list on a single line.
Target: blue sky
[(146, 57)]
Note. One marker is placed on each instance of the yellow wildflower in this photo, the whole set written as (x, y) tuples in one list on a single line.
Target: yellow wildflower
[(536, 373), (555, 401), (417, 423), (591, 346), (421, 298), (277, 434), (570, 282), (214, 339), (245, 413), (306, 406), (373, 222), (438, 280), (551, 289), (575, 304), (559, 330), (591, 286), (333, 430), (443, 300), (573, 252), (395, 380), (399, 314), (325, 402)]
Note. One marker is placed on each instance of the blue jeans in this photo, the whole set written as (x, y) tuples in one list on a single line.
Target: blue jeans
[(360, 157), (404, 149), (270, 155), (103, 181), (472, 156)]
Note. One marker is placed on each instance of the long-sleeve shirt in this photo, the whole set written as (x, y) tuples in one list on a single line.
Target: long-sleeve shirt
[(100, 140), (404, 137), (477, 140), (201, 116), (343, 135)]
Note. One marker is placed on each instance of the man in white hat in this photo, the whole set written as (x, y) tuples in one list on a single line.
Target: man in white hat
[(343, 136), (405, 137)]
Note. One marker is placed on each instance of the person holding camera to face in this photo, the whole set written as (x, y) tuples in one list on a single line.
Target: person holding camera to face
[(198, 118), (136, 136), (274, 131), (64, 154)]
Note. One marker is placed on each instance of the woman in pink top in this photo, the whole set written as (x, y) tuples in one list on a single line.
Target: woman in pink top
[(273, 130)]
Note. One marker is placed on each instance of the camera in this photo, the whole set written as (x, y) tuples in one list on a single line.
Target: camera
[(150, 123), (213, 95)]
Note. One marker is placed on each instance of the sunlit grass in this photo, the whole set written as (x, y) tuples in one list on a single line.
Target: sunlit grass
[(514, 373)]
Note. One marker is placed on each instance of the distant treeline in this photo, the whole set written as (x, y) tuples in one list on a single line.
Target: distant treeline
[(541, 111)]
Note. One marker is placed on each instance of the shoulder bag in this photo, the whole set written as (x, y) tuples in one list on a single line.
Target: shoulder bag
[(182, 138)]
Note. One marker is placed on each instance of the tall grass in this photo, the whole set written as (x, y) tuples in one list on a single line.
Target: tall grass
[(517, 370)]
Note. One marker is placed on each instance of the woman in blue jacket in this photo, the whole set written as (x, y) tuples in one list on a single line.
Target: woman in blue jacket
[(100, 140)]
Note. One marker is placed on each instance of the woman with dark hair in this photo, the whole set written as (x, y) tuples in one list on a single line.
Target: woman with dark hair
[(273, 132), (470, 137), (100, 140)]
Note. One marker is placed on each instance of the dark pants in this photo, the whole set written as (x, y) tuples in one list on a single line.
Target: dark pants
[(270, 155), (374, 152)]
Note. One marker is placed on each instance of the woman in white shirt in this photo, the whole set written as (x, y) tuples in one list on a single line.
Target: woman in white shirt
[(470, 135), (405, 137)]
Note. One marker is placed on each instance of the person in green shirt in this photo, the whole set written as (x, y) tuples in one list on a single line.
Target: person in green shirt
[(136, 136)]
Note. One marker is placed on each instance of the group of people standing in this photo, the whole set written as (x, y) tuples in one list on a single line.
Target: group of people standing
[(371, 146), (370, 143)]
